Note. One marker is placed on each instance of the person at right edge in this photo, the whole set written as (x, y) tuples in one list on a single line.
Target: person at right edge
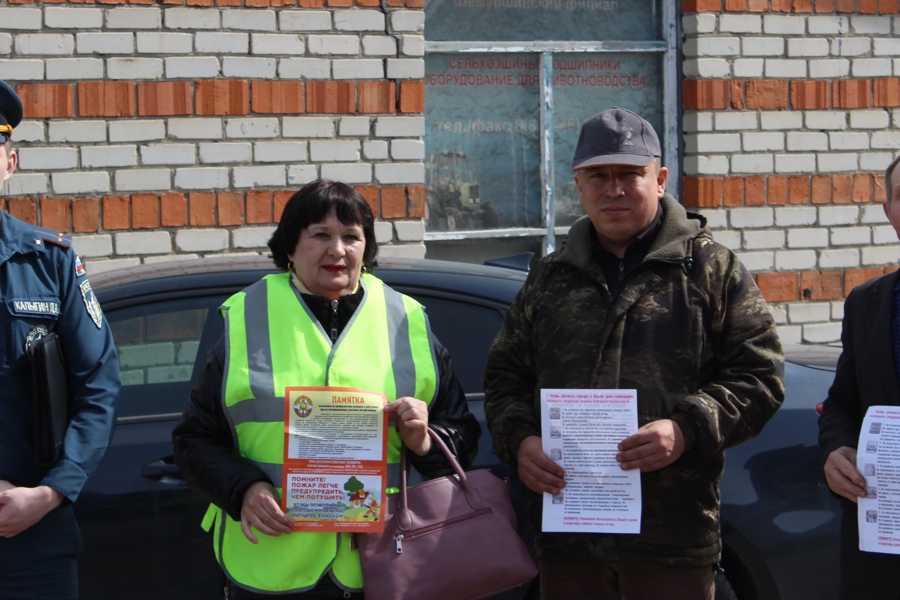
[(638, 297), (868, 374)]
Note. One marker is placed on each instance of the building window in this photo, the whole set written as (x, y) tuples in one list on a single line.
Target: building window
[(508, 84)]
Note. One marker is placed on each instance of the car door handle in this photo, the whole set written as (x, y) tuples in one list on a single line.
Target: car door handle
[(163, 469)]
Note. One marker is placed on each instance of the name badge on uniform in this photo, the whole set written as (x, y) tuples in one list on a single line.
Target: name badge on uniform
[(90, 302), (36, 307)]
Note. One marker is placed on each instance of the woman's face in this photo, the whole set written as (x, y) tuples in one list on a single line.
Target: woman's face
[(328, 257)]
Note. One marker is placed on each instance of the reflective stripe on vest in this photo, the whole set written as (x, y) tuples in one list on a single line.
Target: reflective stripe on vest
[(273, 341)]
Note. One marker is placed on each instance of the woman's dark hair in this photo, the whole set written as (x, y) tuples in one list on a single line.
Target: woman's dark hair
[(310, 206)]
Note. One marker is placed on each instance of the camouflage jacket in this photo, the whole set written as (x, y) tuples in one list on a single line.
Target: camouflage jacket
[(689, 330)]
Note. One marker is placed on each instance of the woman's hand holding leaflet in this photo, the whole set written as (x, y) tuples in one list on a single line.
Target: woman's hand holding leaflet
[(411, 415), (261, 509)]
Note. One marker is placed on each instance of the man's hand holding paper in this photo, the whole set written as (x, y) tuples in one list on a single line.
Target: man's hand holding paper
[(653, 446), (842, 475), (537, 471)]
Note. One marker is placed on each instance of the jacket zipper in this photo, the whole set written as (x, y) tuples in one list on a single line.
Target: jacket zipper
[(334, 321), (438, 526), (611, 300)]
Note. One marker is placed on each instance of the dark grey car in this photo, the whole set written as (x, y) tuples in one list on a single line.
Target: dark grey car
[(141, 523)]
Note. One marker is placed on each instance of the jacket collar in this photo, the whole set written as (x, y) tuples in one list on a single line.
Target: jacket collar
[(671, 244)]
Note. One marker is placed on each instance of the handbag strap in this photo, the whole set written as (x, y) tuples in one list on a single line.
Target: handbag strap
[(404, 467)]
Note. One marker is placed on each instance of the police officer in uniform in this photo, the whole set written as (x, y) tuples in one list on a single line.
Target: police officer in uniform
[(43, 289)]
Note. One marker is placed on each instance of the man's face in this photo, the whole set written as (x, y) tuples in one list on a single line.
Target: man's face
[(892, 206), (621, 201), (8, 160)]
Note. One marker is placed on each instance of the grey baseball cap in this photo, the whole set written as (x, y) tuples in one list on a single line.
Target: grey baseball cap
[(616, 136), (10, 106)]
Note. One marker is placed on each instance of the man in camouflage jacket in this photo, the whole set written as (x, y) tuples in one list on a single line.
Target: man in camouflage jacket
[(639, 297)]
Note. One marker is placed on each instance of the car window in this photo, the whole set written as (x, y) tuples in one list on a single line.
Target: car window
[(162, 344), (158, 344), (467, 330)]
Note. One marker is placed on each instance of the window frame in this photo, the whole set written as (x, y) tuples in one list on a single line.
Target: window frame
[(546, 50)]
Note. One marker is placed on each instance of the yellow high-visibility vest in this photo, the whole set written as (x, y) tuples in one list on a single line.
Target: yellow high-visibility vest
[(273, 341)]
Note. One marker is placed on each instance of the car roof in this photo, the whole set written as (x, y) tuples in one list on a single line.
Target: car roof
[(233, 272), (812, 355)]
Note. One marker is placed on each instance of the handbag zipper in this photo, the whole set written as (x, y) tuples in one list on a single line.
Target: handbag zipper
[(438, 526)]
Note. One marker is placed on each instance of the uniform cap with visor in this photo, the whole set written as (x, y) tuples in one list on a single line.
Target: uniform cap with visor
[(10, 111), (616, 136)]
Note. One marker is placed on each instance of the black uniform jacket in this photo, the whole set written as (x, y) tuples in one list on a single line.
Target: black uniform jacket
[(866, 375)]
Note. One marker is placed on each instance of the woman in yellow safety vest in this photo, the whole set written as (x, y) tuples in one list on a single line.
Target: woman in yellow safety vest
[(324, 321)]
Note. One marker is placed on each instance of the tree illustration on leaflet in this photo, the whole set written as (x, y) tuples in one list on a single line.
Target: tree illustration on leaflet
[(353, 486)]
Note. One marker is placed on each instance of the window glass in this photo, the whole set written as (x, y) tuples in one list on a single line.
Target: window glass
[(158, 345), (517, 20), (585, 84), (482, 146), (467, 331)]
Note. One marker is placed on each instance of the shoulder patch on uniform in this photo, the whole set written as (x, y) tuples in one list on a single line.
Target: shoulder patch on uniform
[(34, 335), (79, 267), (90, 302), (52, 237)]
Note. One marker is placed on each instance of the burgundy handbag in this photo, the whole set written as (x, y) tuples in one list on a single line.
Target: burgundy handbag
[(450, 538)]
